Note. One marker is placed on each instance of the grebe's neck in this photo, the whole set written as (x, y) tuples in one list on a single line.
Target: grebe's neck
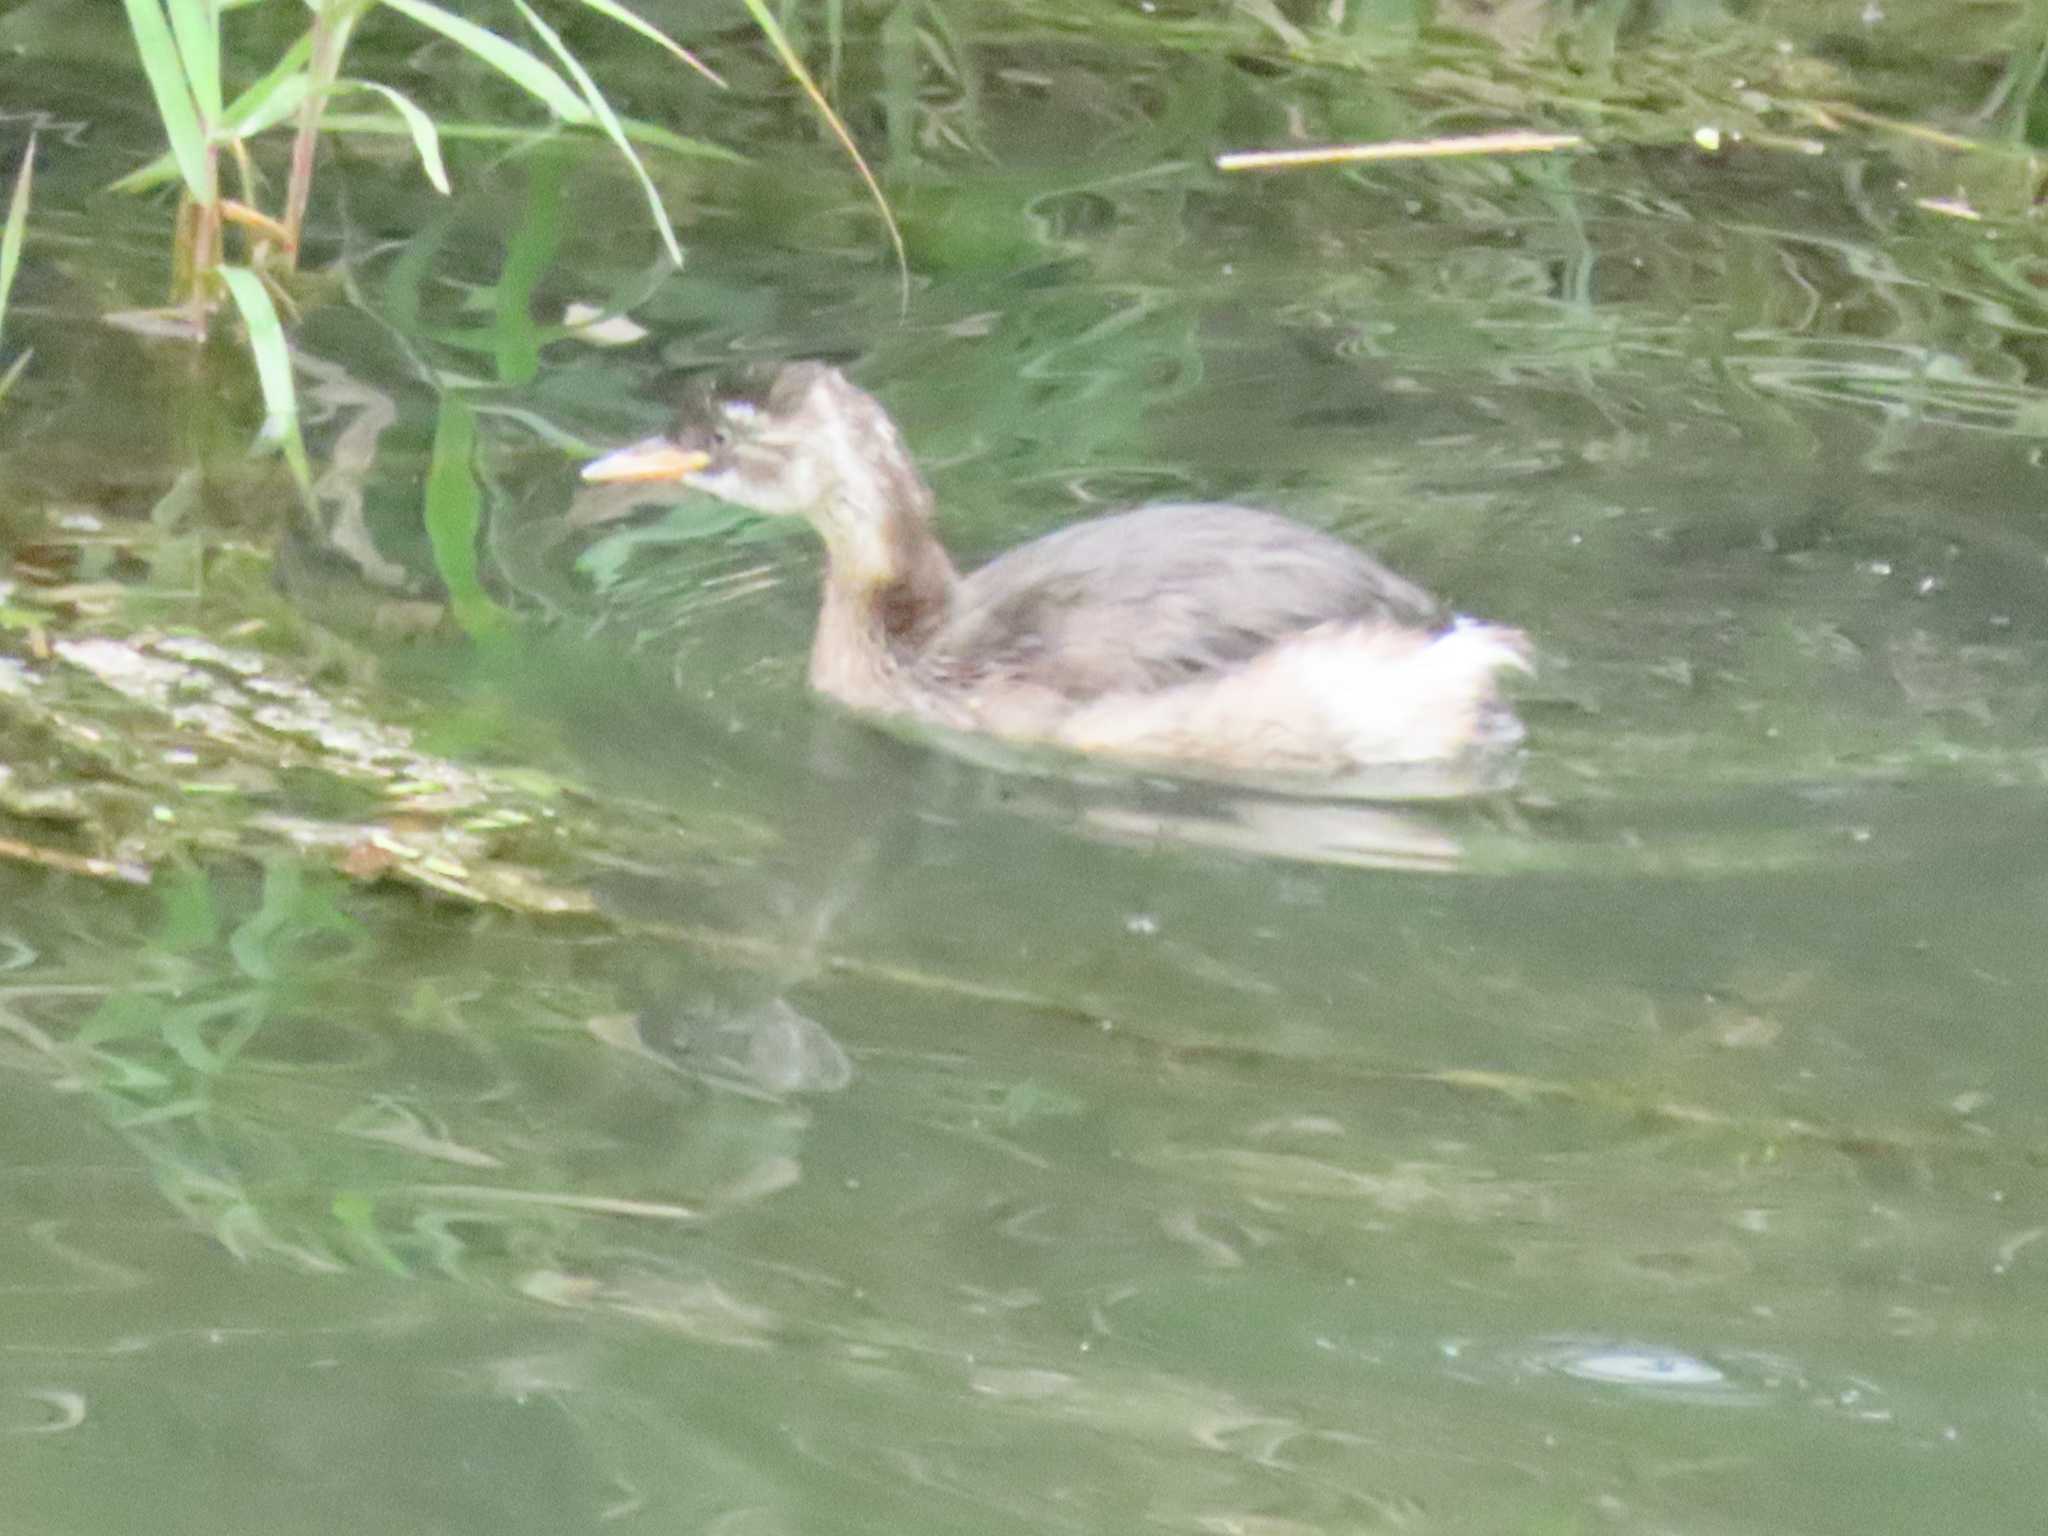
[(888, 583)]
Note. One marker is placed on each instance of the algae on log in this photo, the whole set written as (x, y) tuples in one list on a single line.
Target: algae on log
[(125, 752)]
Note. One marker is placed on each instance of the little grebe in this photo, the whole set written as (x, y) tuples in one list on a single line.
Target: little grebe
[(1201, 636)]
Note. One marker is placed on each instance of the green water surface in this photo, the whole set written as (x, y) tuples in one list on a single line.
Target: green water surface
[(914, 1144)]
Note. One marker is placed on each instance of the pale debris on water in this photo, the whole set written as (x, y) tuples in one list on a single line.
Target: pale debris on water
[(1957, 207), (448, 859), (235, 698), (590, 322), (232, 715)]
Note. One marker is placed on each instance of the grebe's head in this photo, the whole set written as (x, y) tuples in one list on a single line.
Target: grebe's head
[(797, 440)]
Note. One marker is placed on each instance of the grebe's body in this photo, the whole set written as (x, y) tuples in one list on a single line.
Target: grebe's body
[(1213, 637)]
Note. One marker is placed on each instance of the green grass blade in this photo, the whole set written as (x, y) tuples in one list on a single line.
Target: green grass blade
[(158, 51), (282, 101), (653, 34), (356, 1215), (164, 169), (778, 40), (454, 514), (147, 178), (675, 143), (12, 234), (508, 59), (529, 254), (267, 102), (402, 297), (609, 121), (273, 356), (195, 25), (254, 109), (898, 61), (16, 229), (426, 139), (648, 134)]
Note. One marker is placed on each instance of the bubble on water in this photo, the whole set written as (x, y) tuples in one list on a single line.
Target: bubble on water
[(1643, 1368), (1635, 1368)]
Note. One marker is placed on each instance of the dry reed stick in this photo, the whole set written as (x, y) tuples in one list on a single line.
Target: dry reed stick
[(1518, 141)]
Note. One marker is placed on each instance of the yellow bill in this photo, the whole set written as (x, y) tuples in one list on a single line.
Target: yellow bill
[(655, 460)]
